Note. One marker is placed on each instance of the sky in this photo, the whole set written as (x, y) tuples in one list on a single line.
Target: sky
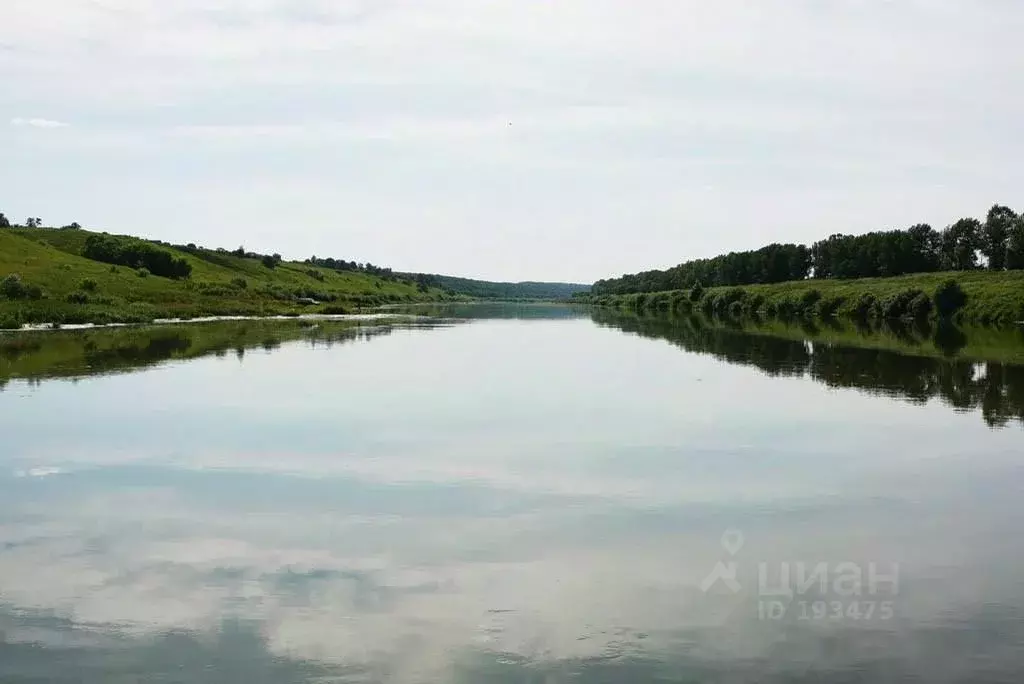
[(508, 139)]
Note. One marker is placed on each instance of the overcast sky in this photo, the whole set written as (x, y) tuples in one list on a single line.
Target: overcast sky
[(508, 139)]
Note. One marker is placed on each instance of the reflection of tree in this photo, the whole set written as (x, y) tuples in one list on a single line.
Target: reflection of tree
[(949, 339), (772, 355), (137, 350), (995, 389)]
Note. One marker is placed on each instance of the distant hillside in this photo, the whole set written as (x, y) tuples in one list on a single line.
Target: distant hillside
[(75, 276), (71, 275), (484, 289)]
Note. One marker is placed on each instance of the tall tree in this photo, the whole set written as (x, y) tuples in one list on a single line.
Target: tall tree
[(927, 246), (960, 244), (4, 223), (995, 234), (1015, 245)]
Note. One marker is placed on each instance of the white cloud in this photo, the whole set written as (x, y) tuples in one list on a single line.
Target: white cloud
[(823, 117), (38, 123)]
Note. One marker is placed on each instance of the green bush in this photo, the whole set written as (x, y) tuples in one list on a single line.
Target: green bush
[(949, 298), (315, 274), (136, 253), (920, 307), (320, 296), (13, 287), (898, 305), (829, 307), (787, 309), (240, 283), (723, 302), (88, 285), (78, 298), (809, 299), (659, 301), (10, 321), (866, 306), (679, 301), (697, 292), (142, 272)]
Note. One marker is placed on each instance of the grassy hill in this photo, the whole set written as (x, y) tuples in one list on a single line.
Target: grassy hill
[(60, 285), (991, 297)]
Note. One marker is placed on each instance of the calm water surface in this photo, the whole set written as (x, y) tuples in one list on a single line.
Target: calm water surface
[(508, 494)]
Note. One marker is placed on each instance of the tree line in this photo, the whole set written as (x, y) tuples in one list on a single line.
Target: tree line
[(996, 244), (772, 264)]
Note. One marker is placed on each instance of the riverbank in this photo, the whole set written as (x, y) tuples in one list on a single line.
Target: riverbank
[(44, 278), (988, 298)]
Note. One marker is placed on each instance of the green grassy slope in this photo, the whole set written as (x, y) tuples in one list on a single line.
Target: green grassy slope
[(992, 297), (51, 260)]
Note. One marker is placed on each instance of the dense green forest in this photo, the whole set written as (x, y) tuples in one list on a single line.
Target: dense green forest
[(997, 244)]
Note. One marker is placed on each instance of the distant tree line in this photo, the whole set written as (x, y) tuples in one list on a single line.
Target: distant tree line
[(485, 289), (772, 264), (34, 222), (996, 244), (342, 265), (136, 253)]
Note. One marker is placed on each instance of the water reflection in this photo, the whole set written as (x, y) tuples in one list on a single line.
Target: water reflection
[(921, 362), (44, 355), (510, 500)]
